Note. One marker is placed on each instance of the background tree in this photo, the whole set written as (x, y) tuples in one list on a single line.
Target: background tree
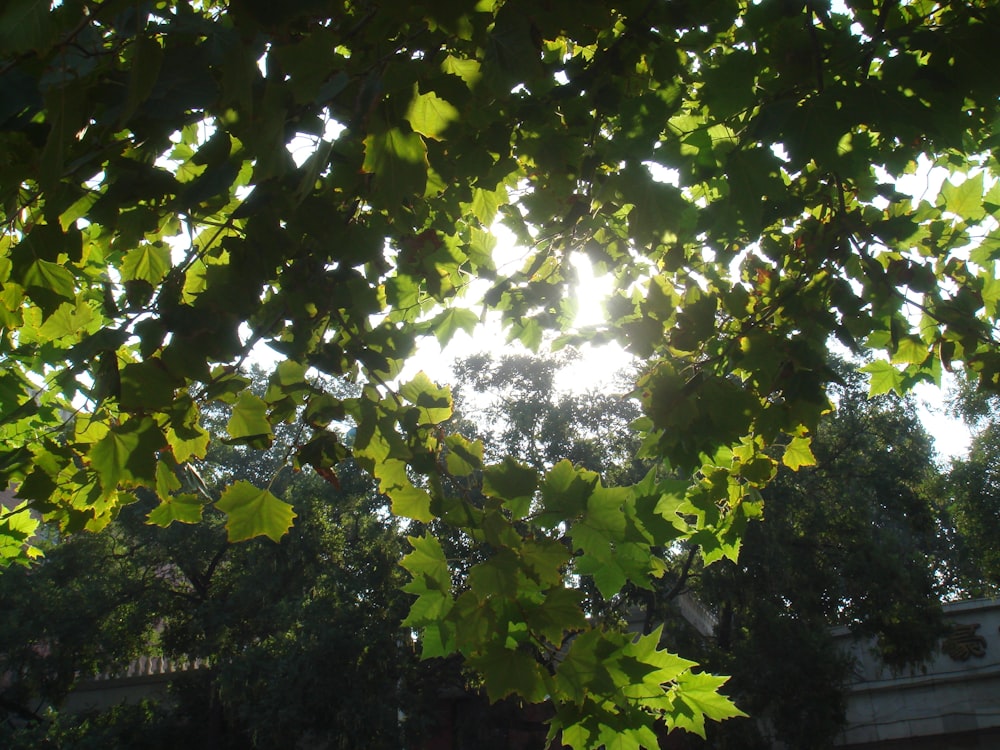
[(735, 167), (973, 492), (302, 637), (856, 540)]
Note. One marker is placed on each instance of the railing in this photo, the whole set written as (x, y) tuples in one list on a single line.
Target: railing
[(146, 666)]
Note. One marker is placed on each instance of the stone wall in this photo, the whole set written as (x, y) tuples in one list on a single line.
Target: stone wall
[(953, 701)]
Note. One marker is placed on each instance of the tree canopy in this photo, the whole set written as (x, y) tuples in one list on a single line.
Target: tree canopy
[(182, 182), (856, 541)]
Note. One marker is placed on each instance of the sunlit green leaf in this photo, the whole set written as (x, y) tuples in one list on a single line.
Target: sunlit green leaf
[(434, 402), (249, 420), (17, 529), (798, 454), (965, 199), (430, 115), (251, 512), (148, 262), (452, 320), (884, 378), (126, 455), (49, 285), (183, 508)]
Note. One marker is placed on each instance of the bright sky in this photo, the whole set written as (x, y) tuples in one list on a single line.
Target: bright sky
[(598, 366)]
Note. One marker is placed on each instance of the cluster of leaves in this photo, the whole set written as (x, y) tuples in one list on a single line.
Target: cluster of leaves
[(282, 627), (183, 181), (856, 541), (972, 490)]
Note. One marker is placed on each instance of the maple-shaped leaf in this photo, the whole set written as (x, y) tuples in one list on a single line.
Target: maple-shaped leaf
[(183, 508), (410, 502), (513, 483), (49, 285), (559, 613), (464, 456), (696, 696), (253, 512), (398, 162), (126, 455), (249, 422), (17, 527), (884, 378), (798, 453), (964, 200), (430, 115), (453, 320), (427, 564), (433, 402), (510, 672), (148, 262)]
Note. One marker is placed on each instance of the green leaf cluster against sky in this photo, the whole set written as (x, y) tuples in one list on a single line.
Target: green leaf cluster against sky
[(157, 228)]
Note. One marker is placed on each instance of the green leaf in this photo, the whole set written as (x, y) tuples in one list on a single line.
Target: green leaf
[(427, 564), (147, 58), (512, 483), (464, 68), (187, 439), (607, 574), (508, 672), (699, 694), (433, 402), (910, 350), (17, 528), (410, 502), (27, 25), (464, 457), (495, 577), (452, 320), (183, 508), (666, 666), (126, 455), (253, 512), (583, 669), (798, 453), (49, 285), (991, 294), (166, 480), (544, 560), (486, 203), (559, 613), (398, 162), (148, 262), (430, 115), (249, 423), (322, 409), (964, 200), (146, 386), (565, 492), (884, 378), (68, 320), (437, 640)]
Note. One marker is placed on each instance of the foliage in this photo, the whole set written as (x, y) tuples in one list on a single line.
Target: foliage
[(854, 541), (143, 727), (971, 487), (183, 181), (81, 613), (282, 626)]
